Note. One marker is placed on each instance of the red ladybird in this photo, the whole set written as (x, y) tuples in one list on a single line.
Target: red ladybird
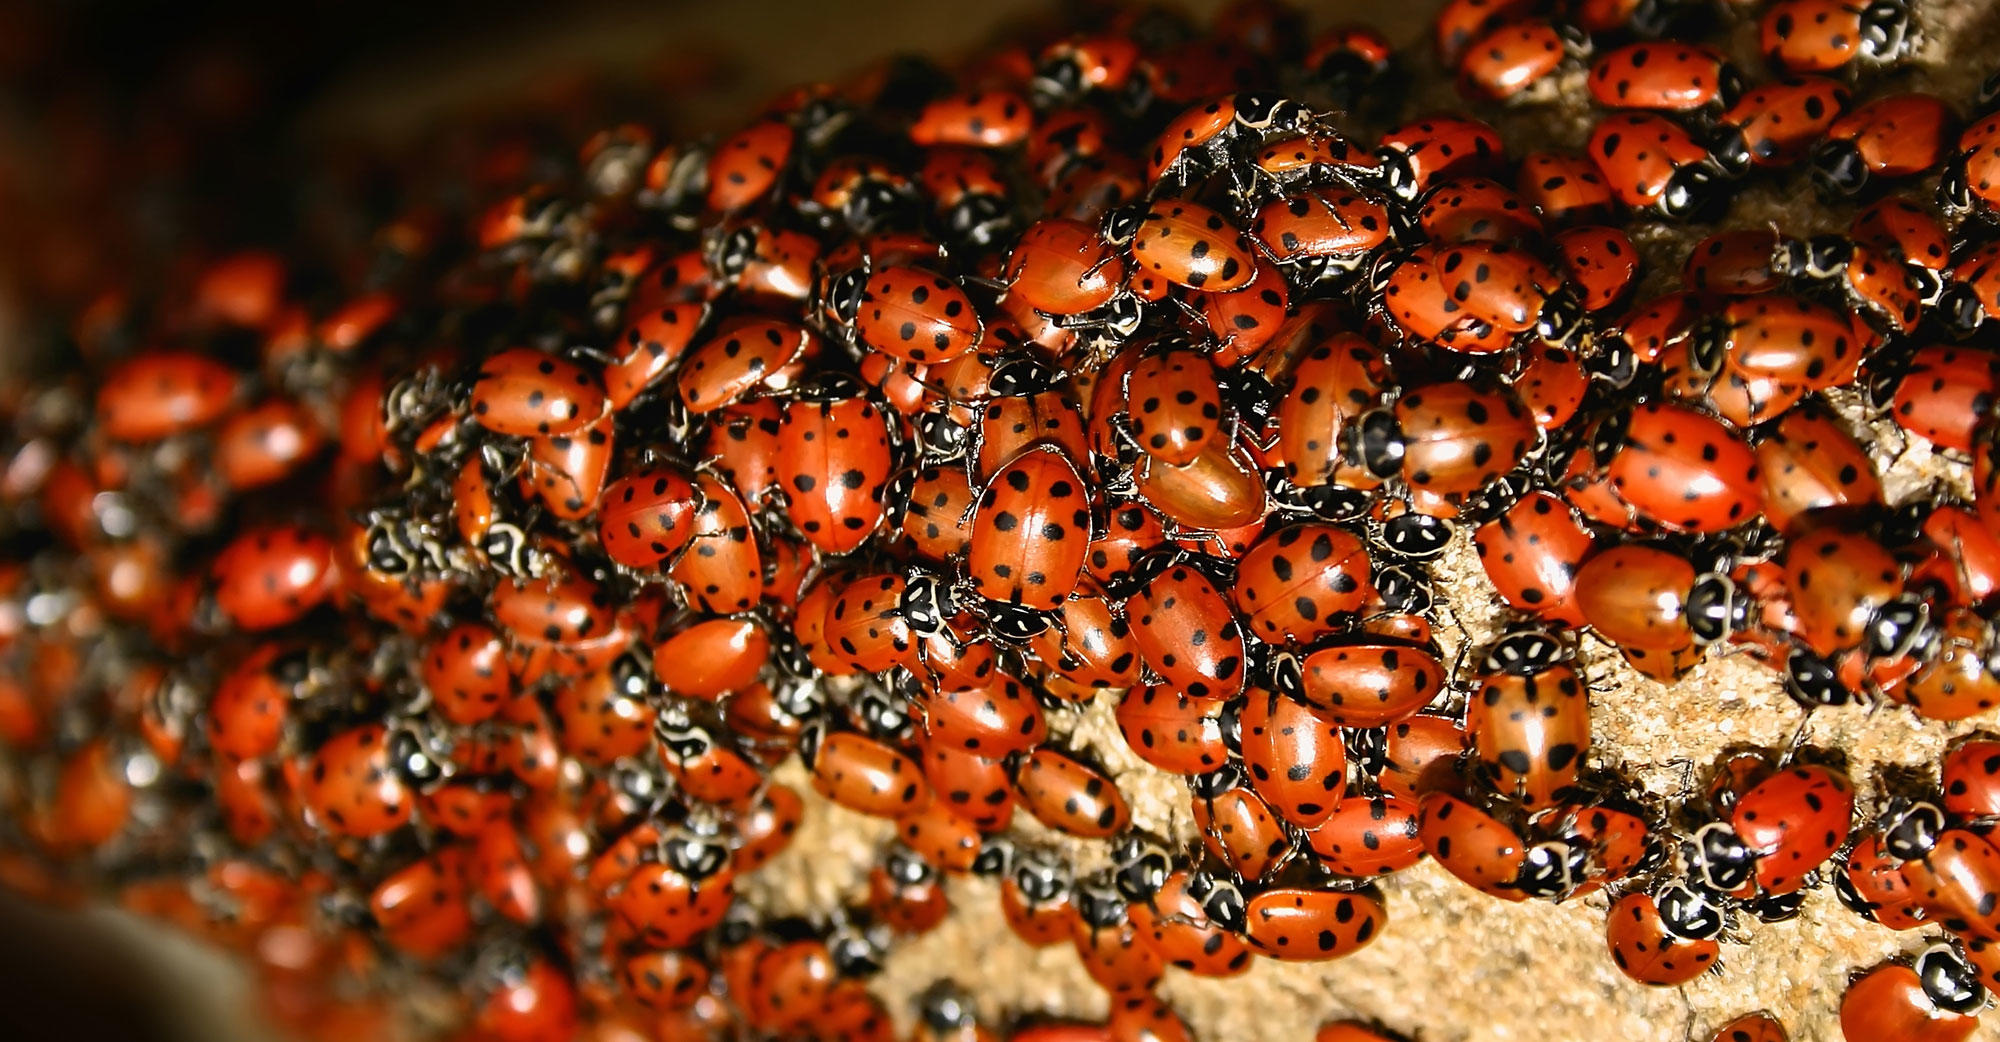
[(917, 316), (1069, 795), (1295, 757), (1793, 821), (1369, 836), (1190, 245), (1512, 58), (1653, 163), (1175, 926), (1363, 683), (1898, 136), (835, 460), (1030, 534), (1823, 35), (648, 516), (1299, 582), (157, 394), (1890, 1002), (1684, 470), (526, 393), (1171, 731), (1529, 720), (986, 119), (1187, 634), (359, 781), (1482, 851), (272, 576), (864, 775), (1667, 76), (1564, 187), (1646, 951), (745, 165), (1778, 122)]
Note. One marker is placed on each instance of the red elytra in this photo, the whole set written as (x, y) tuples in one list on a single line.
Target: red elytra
[(867, 776), (651, 345), (766, 829), (1422, 152), (422, 908), (1458, 437), (737, 359), (1171, 731), (1458, 23), (669, 909), (1342, 225), (1669, 76), (1635, 595), (1599, 261), (1793, 821), (1173, 406), (527, 393), (917, 315), (567, 471), (1369, 683), (158, 394), (1958, 883), (1298, 924), (1295, 757), (1369, 836), (272, 576), (1943, 392), (266, 443), (1114, 957), (1810, 461), (721, 568), (648, 516), (1339, 379), (1063, 267), (1030, 532), (992, 720), (1839, 579), (1221, 489), (351, 786), (1475, 209), (747, 164), (1643, 950), (1092, 643), (1896, 136), (1531, 732), (1483, 852), (712, 657), (1069, 795), (1532, 553), (1651, 162), (1238, 828), (1299, 583), (1822, 35), (913, 904), (1564, 186), (1969, 777), (1779, 121), (246, 716), (1876, 888), (940, 837), (665, 980), (1685, 470), (1510, 59), (865, 631), (601, 720), (970, 786), (1787, 338), (986, 119), (1187, 634), (1191, 245), (707, 763)]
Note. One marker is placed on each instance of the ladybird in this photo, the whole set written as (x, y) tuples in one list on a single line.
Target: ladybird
[(647, 517), (1645, 950), (1824, 35), (1177, 928), (1361, 683), (863, 774), (1031, 531), (1600, 262), (916, 316), (157, 394), (526, 393), (1190, 245), (1415, 155), (1529, 720), (972, 787), (746, 165), (1514, 57), (1302, 924), (1793, 821), (1564, 187), (1299, 582), (1901, 135), (1187, 634), (1653, 163), (272, 576), (739, 358), (1368, 836), (1809, 461), (1069, 795), (1171, 731), (984, 119), (1174, 407), (1664, 76), (360, 782), (835, 461), (1890, 1002)]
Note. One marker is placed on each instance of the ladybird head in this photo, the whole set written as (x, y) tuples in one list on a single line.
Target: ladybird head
[(1838, 170), (1811, 681), (1910, 829), (1688, 913), (1716, 608), (1552, 870), (1949, 981)]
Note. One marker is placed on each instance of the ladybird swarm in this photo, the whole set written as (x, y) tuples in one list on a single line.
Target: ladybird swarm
[(1139, 380)]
